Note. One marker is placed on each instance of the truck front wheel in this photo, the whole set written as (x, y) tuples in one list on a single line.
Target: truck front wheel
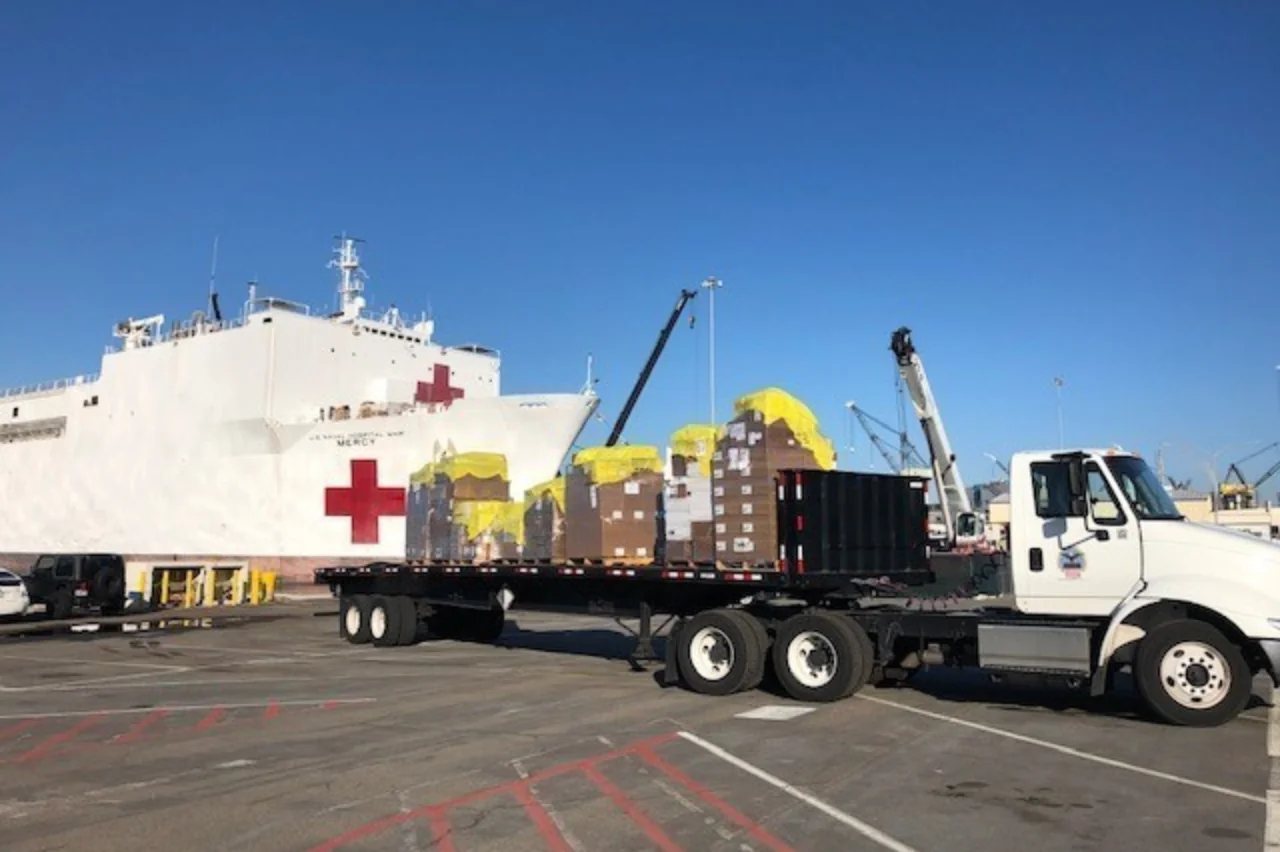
[(1188, 673)]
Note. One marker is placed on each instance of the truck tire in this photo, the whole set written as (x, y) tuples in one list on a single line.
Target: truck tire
[(819, 657), (756, 629), (355, 619), (384, 621), (1188, 673), (719, 653)]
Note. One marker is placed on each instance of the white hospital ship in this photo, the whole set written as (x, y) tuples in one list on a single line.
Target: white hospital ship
[(282, 436)]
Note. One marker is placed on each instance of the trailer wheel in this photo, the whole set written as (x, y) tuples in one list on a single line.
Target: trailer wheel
[(719, 653), (384, 621), (818, 656), (1188, 673), (355, 619), (408, 619), (757, 631)]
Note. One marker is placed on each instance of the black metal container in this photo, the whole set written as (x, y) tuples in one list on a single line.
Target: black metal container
[(861, 525)]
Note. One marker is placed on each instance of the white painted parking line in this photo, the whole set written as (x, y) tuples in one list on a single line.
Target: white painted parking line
[(1271, 833), (178, 708), (868, 831), (775, 713), (1073, 752)]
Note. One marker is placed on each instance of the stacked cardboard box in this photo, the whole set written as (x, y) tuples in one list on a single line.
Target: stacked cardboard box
[(460, 510), (611, 499), (771, 431), (544, 536), (688, 494)]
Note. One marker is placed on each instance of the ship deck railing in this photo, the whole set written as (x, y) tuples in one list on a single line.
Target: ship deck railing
[(49, 387)]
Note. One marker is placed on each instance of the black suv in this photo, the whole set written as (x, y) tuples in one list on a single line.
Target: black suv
[(74, 583)]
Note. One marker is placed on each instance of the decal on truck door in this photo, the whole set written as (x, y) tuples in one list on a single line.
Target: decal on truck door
[(1071, 562)]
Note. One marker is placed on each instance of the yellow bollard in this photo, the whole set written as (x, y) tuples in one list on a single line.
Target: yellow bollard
[(164, 587), (269, 578), (210, 596)]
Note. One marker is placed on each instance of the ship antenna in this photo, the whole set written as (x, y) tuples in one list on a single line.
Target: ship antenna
[(214, 310), (352, 283)]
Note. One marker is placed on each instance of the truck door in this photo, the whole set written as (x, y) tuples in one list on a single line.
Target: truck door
[(1074, 563)]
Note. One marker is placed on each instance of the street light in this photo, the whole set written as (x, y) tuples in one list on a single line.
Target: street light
[(712, 284)]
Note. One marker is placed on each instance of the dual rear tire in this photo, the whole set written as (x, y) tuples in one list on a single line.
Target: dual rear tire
[(817, 656), (383, 621)]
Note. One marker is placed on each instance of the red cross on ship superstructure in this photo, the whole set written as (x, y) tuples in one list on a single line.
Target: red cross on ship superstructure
[(438, 390), (364, 502)]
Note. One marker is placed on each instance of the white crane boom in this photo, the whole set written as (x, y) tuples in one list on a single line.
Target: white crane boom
[(957, 509)]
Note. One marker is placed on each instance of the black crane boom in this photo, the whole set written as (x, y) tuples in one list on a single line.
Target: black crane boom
[(616, 434)]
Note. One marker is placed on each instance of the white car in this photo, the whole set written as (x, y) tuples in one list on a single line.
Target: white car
[(14, 598)]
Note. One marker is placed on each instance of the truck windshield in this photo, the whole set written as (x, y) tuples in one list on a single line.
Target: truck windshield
[(1147, 496)]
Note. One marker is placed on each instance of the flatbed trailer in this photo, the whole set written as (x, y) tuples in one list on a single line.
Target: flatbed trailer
[(1192, 611)]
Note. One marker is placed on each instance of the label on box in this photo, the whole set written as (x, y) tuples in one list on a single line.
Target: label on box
[(737, 431), (746, 509), (748, 527), (719, 510), (593, 497), (746, 490), (754, 438), (743, 545), (722, 545), (617, 515), (642, 551), (619, 551), (722, 528), (718, 491), (638, 514), (631, 487), (717, 456), (717, 473)]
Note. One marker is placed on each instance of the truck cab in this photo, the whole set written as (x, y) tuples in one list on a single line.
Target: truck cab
[(1094, 535)]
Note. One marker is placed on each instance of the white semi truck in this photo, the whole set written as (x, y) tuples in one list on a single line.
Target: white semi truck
[(1105, 574)]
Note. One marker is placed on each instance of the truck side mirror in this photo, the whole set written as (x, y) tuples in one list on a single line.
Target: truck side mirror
[(1076, 486)]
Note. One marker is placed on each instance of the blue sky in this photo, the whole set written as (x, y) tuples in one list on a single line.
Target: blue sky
[(1085, 189)]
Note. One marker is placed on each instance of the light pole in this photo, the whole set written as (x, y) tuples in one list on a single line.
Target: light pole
[(1057, 385), (712, 284)]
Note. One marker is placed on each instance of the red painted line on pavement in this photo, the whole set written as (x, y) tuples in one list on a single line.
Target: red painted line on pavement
[(141, 725), (272, 711), (58, 739), (541, 819), (15, 729), (212, 718), (329, 705), (648, 826), (441, 831), (437, 811), (757, 831)]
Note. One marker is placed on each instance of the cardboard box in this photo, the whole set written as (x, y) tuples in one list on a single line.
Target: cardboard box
[(611, 520)]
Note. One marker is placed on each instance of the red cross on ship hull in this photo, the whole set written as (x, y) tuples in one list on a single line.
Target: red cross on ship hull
[(364, 502), (438, 390)]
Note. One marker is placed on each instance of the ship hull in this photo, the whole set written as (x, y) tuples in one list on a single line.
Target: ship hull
[(287, 497)]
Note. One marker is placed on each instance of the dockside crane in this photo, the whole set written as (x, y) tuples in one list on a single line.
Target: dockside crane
[(616, 434), (1240, 493), (907, 451), (963, 526)]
